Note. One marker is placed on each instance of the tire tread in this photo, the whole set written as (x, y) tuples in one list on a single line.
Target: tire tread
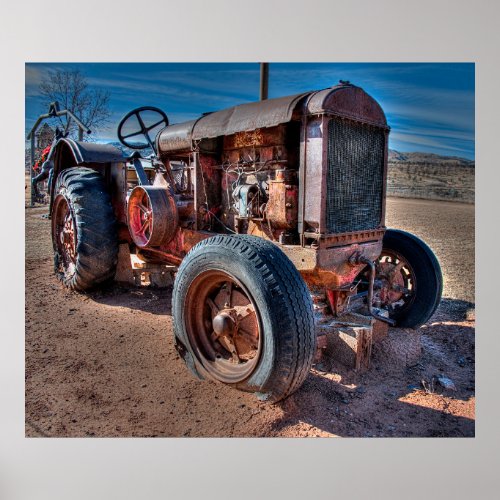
[(97, 243)]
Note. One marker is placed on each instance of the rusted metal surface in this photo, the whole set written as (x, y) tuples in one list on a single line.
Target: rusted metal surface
[(282, 205), (338, 298), (183, 240), (68, 153), (354, 176), (208, 191), (331, 267), (243, 118), (263, 169), (118, 190), (396, 283), (64, 236), (313, 176), (372, 311), (223, 323), (261, 137), (331, 240), (175, 138), (269, 145), (246, 117), (152, 216), (348, 101)]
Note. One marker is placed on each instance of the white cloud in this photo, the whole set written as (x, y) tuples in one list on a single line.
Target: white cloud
[(33, 77), (418, 141)]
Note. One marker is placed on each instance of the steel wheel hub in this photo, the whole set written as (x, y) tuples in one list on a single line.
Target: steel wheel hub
[(223, 326), (397, 281), (64, 234)]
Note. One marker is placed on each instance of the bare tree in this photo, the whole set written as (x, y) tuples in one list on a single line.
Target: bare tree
[(71, 89)]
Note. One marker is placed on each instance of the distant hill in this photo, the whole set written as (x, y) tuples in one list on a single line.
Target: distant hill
[(430, 176), (421, 158)]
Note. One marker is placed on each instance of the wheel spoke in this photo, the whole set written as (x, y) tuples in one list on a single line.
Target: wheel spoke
[(213, 306), (131, 135), (248, 337), (218, 304), (151, 127), (229, 345), (402, 289), (143, 208), (398, 268), (143, 228), (229, 292)]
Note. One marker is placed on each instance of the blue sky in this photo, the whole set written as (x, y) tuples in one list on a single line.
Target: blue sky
[(429, 106)]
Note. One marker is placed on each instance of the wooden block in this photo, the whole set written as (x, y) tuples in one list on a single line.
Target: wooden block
[(321, 345), (380, 331), (124, 272), (380, 328), (351, 346), (161, 278)]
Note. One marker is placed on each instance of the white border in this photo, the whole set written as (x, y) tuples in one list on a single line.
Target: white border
[(273, 30)]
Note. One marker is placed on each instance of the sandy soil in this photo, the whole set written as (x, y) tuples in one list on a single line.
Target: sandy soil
[(103, 364)]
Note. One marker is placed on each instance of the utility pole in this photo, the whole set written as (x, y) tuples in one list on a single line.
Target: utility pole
[(264, 80)]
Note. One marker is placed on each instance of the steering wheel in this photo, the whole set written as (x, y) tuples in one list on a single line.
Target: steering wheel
[(144, 127)]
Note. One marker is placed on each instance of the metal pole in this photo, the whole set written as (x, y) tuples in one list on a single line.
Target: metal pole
[(264, 80), (80, 133)]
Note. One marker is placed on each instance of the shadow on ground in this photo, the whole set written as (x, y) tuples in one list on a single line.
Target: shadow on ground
[(387, 401), (395, 398), (144, 298), (379, 412)]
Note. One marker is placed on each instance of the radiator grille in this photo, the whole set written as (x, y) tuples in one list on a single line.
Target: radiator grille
[(354, 177)]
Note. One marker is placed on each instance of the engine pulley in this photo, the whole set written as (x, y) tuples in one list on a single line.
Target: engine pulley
[(152, 216)]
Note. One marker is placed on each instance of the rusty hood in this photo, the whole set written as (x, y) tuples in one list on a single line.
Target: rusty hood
[(344, 99), (245, 117)]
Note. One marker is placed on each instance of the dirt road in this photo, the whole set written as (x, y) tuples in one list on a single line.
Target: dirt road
[(103, 364)]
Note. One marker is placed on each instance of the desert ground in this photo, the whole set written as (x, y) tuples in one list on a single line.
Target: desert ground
[(103, 363)]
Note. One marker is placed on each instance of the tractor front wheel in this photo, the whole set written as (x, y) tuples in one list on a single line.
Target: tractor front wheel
[(409, 278), (243, 316)]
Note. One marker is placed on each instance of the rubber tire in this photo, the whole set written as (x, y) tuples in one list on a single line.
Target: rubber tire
[(97, 239), (428, 276), (282, 298)]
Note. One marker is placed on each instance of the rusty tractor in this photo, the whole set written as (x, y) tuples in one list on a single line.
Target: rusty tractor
[(273, 213)]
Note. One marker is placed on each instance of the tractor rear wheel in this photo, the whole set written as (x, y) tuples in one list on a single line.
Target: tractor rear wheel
[(84, 234), (243, 316)]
